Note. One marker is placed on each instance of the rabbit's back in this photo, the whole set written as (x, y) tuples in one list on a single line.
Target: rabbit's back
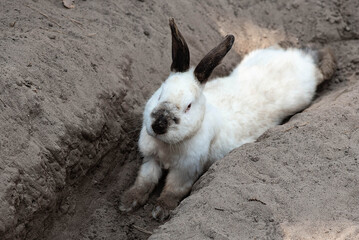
[(268, 85)]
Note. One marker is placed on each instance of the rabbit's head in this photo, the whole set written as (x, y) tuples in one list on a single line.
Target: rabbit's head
[(176, 110)]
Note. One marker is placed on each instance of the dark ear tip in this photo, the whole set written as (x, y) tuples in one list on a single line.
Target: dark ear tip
[(172, 22), (173, 27), (230, 39)]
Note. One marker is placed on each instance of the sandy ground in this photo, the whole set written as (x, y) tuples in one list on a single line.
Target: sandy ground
[(72, 86)]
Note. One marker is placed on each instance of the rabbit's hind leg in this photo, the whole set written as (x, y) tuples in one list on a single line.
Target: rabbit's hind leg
[(324, 60)]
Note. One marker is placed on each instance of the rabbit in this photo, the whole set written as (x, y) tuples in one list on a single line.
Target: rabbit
[(189, 123)]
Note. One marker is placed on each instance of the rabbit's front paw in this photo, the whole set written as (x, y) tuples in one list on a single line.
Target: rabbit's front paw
[(160, 213), (131, 199), (162, 210)]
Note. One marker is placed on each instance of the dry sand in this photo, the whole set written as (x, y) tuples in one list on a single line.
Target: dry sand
[(72, 86)]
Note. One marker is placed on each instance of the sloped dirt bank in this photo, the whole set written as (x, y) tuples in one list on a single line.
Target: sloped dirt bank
[(72, 83)]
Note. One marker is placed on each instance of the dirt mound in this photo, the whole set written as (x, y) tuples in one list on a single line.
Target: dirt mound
[(72, 86)]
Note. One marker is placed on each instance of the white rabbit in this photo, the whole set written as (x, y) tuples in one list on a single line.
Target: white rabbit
[(188, 123)]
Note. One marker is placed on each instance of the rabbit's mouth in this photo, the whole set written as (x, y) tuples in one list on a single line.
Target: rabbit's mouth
[(163, 131)]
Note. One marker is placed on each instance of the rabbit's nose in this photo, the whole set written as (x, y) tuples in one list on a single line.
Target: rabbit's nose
[(160, 125)]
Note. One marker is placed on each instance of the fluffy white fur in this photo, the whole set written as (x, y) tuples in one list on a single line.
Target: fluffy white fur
[(267, 86)]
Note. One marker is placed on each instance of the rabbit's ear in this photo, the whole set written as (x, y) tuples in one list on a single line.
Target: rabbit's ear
[(180, 52), (212, 59)]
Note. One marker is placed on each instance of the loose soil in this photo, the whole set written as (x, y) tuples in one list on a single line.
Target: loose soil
[(73, 83)]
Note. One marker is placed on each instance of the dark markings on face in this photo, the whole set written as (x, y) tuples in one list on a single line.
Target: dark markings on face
[(163, 117)]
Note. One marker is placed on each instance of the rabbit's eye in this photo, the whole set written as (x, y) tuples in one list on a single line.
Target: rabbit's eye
[(188, 107)]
